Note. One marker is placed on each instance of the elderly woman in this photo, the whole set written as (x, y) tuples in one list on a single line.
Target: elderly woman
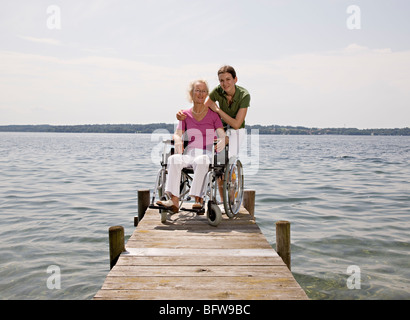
[(200, 126)]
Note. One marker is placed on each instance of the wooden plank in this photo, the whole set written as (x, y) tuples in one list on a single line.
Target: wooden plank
[(174, 243), (193, 271), (214, 294), (244, 230), (205, 236), (170, 252), (186, 218), (132, 260), (197, 283)]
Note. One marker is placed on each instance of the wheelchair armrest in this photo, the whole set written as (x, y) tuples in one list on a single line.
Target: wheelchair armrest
[(169, 141), (172, 142)]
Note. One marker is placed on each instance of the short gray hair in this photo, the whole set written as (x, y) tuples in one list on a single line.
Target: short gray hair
[(192, 86)]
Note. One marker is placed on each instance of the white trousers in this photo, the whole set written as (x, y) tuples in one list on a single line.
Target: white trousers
[(194, 159)]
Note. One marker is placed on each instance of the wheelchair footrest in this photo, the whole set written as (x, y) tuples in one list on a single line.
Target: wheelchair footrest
[(198, 211)]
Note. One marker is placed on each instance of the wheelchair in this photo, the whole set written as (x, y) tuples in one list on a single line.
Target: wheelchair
[(230, 170)]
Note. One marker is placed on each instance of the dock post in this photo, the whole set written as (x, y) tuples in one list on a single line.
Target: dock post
[(283, 241), (249, 202), (143, 203), (117, 246)]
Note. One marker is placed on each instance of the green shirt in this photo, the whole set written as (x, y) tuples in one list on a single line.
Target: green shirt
[(241, 99)]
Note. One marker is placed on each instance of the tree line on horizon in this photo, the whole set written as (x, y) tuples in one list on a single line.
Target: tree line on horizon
[(150, 128)]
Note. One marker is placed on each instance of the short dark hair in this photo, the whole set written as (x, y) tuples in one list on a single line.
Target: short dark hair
[(227, 69)]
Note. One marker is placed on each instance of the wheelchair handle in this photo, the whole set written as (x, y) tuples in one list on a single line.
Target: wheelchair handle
[(169, 141)]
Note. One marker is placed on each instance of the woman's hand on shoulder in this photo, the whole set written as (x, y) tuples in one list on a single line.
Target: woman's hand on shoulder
[(212, 105), (214, 108)]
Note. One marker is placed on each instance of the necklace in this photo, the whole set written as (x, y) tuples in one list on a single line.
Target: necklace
[(198, 113)]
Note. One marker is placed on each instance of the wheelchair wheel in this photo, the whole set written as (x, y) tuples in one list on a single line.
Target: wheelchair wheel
[(233, 187), (214, 214), (160, 184), (160, 190)]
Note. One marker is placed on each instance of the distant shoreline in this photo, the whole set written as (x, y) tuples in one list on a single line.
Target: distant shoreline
[(150, 128)]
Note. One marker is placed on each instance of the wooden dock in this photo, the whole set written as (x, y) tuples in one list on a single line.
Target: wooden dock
[(187, 259)]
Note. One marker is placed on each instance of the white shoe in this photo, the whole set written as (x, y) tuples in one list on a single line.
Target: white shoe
[(169, 205)]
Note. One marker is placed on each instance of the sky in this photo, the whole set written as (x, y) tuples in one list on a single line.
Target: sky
[(319, 63)]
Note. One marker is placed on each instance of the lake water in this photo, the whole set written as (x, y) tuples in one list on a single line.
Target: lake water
[(347, 198)]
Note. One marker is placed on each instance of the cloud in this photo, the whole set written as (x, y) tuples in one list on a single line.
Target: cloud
[(48, 41), (354, 86), (348, 69), (72, 45), (92, 89)]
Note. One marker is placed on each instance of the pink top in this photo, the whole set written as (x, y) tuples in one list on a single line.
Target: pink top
[(201, 134)]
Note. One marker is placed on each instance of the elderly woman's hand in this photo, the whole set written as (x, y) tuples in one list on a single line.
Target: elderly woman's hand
[(181, 116), (220, 146), (178, 142), (179, 147)]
